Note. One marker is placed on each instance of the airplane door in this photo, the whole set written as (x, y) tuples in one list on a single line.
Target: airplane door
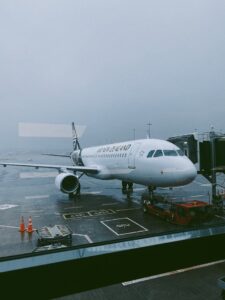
[(132, 155)]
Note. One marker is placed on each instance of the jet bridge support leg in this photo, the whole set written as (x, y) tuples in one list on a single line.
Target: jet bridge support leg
[(151, 190)]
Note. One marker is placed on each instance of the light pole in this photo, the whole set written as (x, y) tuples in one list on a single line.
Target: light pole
[(134, 133), (149, 129)]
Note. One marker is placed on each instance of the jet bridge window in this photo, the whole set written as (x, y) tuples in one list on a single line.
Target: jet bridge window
[(170, 153), (150, 154), (158, 153)]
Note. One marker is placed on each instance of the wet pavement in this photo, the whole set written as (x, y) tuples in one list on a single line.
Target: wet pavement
[(101, 213)]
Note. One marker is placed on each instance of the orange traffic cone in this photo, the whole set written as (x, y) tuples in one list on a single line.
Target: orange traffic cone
[(22, 226), (30, 226)]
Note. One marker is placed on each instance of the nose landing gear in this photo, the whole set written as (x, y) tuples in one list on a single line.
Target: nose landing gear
[(151, 190)]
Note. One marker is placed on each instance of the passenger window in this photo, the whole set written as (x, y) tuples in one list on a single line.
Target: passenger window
[(150, 154), (158, 153), (170, 152)]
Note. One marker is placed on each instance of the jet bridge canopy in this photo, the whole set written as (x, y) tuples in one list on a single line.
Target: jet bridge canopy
[(188, 144)]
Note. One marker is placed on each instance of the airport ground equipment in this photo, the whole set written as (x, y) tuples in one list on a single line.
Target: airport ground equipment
[(182, 213), (58, 234)]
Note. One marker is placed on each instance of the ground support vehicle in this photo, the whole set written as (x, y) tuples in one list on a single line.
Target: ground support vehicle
[(182, 213), (58, 234)]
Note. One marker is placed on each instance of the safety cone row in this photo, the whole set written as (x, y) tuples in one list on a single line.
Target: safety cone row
[(29, 228)]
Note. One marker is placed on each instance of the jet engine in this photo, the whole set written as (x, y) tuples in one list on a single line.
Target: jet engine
[(67, 183)]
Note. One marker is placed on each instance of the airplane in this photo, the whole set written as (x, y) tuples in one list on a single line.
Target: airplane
[(149, 162)]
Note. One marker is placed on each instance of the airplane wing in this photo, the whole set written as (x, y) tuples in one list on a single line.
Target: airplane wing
[(60, 168)]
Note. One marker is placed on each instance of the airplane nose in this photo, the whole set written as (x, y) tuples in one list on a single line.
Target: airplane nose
[(189, 172)]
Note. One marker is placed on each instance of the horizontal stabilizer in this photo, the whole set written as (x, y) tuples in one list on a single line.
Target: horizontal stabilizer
[(60, 155)]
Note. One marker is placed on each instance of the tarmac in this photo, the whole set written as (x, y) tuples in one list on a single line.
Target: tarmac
[(101, 213)]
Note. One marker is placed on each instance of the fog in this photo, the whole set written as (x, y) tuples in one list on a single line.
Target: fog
[(113, 66)]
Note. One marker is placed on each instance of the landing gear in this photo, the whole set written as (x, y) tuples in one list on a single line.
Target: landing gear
[(151, 190), (127, 187)]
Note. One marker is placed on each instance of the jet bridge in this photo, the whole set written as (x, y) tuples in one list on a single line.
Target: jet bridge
[(188, 143), (207, 151)]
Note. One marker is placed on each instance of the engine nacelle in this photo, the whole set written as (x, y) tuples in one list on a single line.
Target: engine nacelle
[(67, 183)]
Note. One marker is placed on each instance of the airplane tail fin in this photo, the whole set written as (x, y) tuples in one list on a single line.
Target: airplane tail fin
[(76, 144)]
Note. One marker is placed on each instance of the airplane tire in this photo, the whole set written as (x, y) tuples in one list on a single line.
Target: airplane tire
[(130, 185)]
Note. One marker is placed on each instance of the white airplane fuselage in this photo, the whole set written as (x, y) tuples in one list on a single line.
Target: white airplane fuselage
[(139, 161)]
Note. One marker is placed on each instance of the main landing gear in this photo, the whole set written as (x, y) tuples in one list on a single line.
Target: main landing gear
[(127, 187)]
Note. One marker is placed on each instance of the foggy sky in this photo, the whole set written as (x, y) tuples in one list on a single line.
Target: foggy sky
[(112, 65)]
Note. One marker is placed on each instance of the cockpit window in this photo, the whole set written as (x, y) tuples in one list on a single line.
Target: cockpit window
[(158, 153), (150, 154), (180, 152), (170, 152)]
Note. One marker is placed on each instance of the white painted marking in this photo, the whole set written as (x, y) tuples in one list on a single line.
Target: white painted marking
[(35, 211), (84, 235), (118, 234), (92, 193), (5, 226), (126, 209), (139, 189), (196, 196), (37, 197), (109, 228), (25, 175), (172, 273), (73, 207), (7, 206), (14, 227), (112, 203)]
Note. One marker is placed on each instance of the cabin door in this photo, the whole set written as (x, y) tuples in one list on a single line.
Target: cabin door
[(132, 154)]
